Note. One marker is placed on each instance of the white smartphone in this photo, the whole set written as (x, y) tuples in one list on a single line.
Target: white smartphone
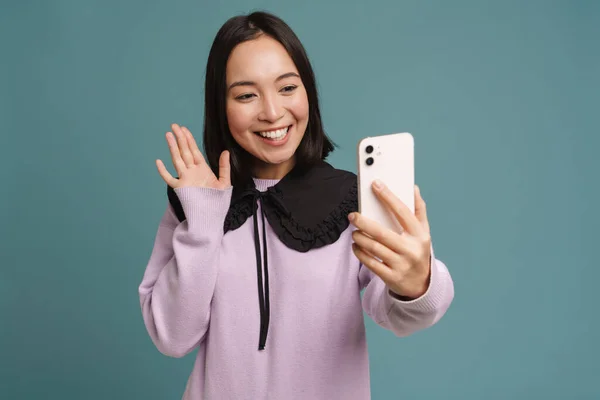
[(389, 158)]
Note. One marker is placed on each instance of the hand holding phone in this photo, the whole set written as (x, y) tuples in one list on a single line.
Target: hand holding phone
[(392, 236)]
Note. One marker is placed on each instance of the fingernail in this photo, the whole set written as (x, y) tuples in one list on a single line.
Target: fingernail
[(377, 184), (351, 217)]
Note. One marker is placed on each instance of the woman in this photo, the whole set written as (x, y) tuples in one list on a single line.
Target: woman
[(260, 257)]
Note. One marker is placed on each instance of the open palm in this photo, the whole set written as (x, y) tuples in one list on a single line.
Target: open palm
[(191, 167)]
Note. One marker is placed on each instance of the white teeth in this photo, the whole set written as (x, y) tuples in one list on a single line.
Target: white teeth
[(277, 135)]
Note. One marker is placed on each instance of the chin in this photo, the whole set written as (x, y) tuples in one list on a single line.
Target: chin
[(277, 160)]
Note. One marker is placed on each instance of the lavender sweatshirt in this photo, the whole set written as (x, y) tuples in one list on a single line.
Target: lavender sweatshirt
[(199, 292)]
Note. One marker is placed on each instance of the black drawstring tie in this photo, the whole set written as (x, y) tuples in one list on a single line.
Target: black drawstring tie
[(263, 287)]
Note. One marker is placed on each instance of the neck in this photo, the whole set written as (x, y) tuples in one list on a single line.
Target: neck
[(264, 170)]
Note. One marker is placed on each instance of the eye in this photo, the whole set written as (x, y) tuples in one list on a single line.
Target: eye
[(289, 88), (243, 97)]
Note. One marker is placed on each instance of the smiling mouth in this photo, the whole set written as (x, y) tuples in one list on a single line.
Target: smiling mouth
[(274, 135)]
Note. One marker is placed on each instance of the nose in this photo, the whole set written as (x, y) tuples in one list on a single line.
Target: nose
[(272, 109)]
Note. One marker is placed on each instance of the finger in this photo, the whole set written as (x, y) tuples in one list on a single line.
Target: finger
[(225, 169), (175, 155), (196, 153), (421, 209), (380, 269), (400, 210), (374, 248), (164, 173), (184, 149), (392, 240)]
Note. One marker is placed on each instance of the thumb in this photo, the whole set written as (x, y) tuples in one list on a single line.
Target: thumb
[(225, 169)]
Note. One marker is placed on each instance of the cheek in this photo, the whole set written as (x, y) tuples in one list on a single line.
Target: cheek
[(299, 107), (239, 119)]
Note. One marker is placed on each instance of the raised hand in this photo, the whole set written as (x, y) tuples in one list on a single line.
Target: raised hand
[(190, 165)]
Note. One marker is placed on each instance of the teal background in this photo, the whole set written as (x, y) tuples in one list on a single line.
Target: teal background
[(503, 100)]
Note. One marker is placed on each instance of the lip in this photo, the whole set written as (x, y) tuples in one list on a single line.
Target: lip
[(279, 142), (274, 129)]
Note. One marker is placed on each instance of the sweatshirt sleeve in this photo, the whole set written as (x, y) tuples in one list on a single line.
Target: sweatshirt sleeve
[(404, 318), (179, 280)]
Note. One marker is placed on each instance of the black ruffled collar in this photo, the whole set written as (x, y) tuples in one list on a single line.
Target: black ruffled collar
[(306, 210)]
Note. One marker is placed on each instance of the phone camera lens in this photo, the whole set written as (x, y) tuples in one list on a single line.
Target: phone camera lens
[(369, 149), (370, 161)]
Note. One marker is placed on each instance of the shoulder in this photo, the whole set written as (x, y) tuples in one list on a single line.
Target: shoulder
[(316, 203)]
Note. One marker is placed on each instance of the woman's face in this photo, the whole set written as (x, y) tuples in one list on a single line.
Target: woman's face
[(267, 105)]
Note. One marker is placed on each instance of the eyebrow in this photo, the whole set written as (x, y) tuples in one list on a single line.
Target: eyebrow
[(250, 83)]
